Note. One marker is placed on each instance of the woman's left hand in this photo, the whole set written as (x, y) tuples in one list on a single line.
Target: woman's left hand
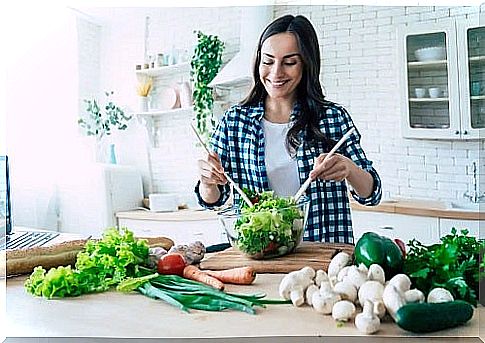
[(336, 168)]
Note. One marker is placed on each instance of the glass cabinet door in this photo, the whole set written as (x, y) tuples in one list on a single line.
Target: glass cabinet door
[(427, 80), (476, 75)]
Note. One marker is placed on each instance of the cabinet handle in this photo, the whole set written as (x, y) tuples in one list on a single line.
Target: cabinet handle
[(457, 132), (465, 132), (385, 227)]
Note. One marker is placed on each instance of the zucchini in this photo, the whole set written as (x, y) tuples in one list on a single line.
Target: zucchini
[(430, 317)]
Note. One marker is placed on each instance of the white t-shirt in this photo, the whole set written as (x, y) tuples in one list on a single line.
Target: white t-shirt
[(282, 170)]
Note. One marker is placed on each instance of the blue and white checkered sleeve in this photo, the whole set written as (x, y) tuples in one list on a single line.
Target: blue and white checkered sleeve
[(355, 152), (219, 144)]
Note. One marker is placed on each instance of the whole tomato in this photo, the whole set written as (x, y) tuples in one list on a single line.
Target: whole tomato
[(171, 264)]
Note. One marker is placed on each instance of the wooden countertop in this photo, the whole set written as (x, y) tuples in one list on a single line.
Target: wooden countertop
[(116, 315), (424, 208), (402, 206)]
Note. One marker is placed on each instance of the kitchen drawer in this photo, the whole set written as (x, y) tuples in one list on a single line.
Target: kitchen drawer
[(181, 232), (404, 227), (473, 227)]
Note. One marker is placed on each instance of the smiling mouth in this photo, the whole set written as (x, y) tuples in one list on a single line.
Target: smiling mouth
[(277, 84)]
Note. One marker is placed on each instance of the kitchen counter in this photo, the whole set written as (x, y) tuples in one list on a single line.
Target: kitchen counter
[(180, 215), (402, 206), (116, 315), (420, 208)]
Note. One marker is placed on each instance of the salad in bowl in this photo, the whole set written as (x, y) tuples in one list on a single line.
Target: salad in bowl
[(273, 227)]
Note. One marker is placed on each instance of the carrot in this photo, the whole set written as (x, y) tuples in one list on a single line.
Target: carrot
[(238, 276), (193, 273)]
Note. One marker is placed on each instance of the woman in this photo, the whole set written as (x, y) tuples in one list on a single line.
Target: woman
[(280, 134)]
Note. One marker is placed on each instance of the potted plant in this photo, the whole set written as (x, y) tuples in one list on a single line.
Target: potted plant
[(143, 89), (100, 121), (205, 64)]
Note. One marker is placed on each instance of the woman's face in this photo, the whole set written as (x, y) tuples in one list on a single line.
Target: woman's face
[(281, 66)]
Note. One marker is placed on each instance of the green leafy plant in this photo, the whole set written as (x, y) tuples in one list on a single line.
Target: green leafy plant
[(205, 64), (102, 263), (100, 121), (453, 264)]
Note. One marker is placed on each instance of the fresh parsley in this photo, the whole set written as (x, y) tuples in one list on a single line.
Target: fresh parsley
[(455, 264)]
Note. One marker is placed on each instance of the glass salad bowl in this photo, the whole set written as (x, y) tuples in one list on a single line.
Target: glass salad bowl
[(273, 227)]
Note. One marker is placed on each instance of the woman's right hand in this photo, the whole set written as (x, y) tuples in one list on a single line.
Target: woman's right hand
[(211, 172)]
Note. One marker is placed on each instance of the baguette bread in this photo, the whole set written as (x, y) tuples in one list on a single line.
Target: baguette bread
[(23, 261)]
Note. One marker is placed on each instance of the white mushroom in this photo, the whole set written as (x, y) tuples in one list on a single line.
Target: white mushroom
[(337, 263), (401, 281), (309, 293), (294, 284), (324, 304), (393, 299), (379, 309), (346, 290), (370, 290), (414, 296), (326, 287), (342, 273), (343, 310), (376, 273), (367, 322), (357, 275), (324, 300), (439, 295), (320, 277)]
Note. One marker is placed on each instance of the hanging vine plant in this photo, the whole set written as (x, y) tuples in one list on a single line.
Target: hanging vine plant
[(205, 65)]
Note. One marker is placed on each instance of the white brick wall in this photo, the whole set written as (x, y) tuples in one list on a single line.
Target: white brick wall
[(170, 165), (352, 39), (359, 70), (89, 52)]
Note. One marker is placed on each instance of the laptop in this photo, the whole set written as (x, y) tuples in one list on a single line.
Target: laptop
[(11, 238)]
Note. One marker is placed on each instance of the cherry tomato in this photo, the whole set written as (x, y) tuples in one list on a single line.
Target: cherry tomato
[(172, 264), (272, 246)]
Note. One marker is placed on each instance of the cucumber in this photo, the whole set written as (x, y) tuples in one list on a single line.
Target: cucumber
[(430, 317)]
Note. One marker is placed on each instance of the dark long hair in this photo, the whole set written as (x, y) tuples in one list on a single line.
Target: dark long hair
[(309, 90)]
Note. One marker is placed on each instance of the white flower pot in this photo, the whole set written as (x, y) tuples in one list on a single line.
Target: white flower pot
[(143, 104)]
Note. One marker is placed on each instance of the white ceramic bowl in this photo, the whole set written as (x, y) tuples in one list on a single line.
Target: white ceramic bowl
[(435, 53), (434, 92), (420, 92)]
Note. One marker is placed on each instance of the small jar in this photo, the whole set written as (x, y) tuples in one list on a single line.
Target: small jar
[(160, 60)]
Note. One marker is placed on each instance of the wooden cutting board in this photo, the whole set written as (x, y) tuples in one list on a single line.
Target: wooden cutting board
[(312, 254)]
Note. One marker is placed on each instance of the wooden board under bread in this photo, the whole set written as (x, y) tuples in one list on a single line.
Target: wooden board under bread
[(312, 254), (54, 254)]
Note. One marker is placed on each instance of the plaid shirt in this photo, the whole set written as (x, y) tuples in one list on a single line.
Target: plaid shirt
[(239, 142)]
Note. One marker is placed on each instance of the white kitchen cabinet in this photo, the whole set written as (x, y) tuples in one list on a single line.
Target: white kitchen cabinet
[(456, 110), (181, 232), (473, 226), (404, 227)]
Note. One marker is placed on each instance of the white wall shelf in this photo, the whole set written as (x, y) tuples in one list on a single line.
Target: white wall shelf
[(163, 112), (166, 71), (148, 120)]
